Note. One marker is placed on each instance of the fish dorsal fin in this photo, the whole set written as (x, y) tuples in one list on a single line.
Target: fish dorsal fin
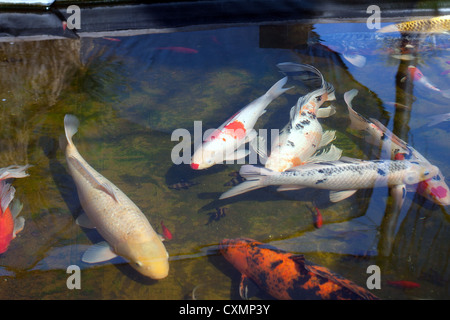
[(339, 280), (107, 188), (298, 258)]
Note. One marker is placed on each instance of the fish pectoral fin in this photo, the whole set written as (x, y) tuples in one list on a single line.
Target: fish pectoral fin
[(250, 136), (19, 223), (91, 179), (84, 221), (336, 196), (398, 193), (326, 112), (327, 137), (289, 187), (99, 252), (333, 154), (355, 59), (247, 288)]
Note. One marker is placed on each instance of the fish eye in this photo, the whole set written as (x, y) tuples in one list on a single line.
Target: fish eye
[(138, 264), (319, 98)]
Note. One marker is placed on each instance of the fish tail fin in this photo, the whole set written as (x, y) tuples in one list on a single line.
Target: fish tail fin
[(14, 171), (254, 180), (357, 121), (71, 124), (277, 89)]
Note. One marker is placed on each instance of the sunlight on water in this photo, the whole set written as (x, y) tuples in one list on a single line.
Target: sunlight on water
[(131, 93)]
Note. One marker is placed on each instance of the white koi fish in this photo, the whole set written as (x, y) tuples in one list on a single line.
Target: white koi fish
[(343, 177), (223, 144), (121, 223), (299, 140), (434, 188)]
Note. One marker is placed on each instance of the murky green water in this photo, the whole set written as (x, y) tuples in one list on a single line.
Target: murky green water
[(130, 93)]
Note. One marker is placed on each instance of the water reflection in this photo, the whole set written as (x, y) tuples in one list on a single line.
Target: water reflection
[(130, 96)]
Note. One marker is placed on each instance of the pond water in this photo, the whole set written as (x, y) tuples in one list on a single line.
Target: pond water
[(131, 92)]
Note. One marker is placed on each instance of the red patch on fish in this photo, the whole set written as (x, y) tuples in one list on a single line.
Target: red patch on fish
[(404, 284), (166, 233), (415, 73), (179, 49), (399, 156), (422, 186), (194, 166), (236, 129), (6, 229), (439, 192)]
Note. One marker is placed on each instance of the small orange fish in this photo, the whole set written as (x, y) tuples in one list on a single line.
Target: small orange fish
[(405, 284), (286, 276), (166, 233), (318, 218)]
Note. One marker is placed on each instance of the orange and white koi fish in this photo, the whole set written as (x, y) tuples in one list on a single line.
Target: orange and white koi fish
[(415, 74), (429, 25), (223, 144), (299, 140), (10, 223), (286, 276), (434, 188)]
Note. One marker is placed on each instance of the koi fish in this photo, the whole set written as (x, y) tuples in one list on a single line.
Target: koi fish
[(166, 232), (343, 177), (286, 276), (415, 74), (224, 141), (430, 25), (119, 221), (10, 223), (179, 49), (299, 140), (404, 284), (434, 189)]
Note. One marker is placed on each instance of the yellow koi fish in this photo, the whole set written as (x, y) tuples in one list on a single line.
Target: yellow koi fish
[(431, 25), (121, 223)]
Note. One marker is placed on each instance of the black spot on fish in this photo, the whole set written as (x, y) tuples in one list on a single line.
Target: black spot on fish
[(303, 113), (381, 172), (384, 136), (275, 264), (298, 126), (321, 181), (289, 142), (305, 122)]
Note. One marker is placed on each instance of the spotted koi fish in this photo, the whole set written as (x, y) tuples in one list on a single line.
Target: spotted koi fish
[(431, 25), (434, 188), (299, 140), (343, 177), (223, 144), (286, 276)]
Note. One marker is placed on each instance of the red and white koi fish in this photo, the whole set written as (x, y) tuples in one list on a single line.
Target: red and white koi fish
[(415, 74), (223, 144), (343, 177), (10, 223), (299, 140), (434, 188)]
